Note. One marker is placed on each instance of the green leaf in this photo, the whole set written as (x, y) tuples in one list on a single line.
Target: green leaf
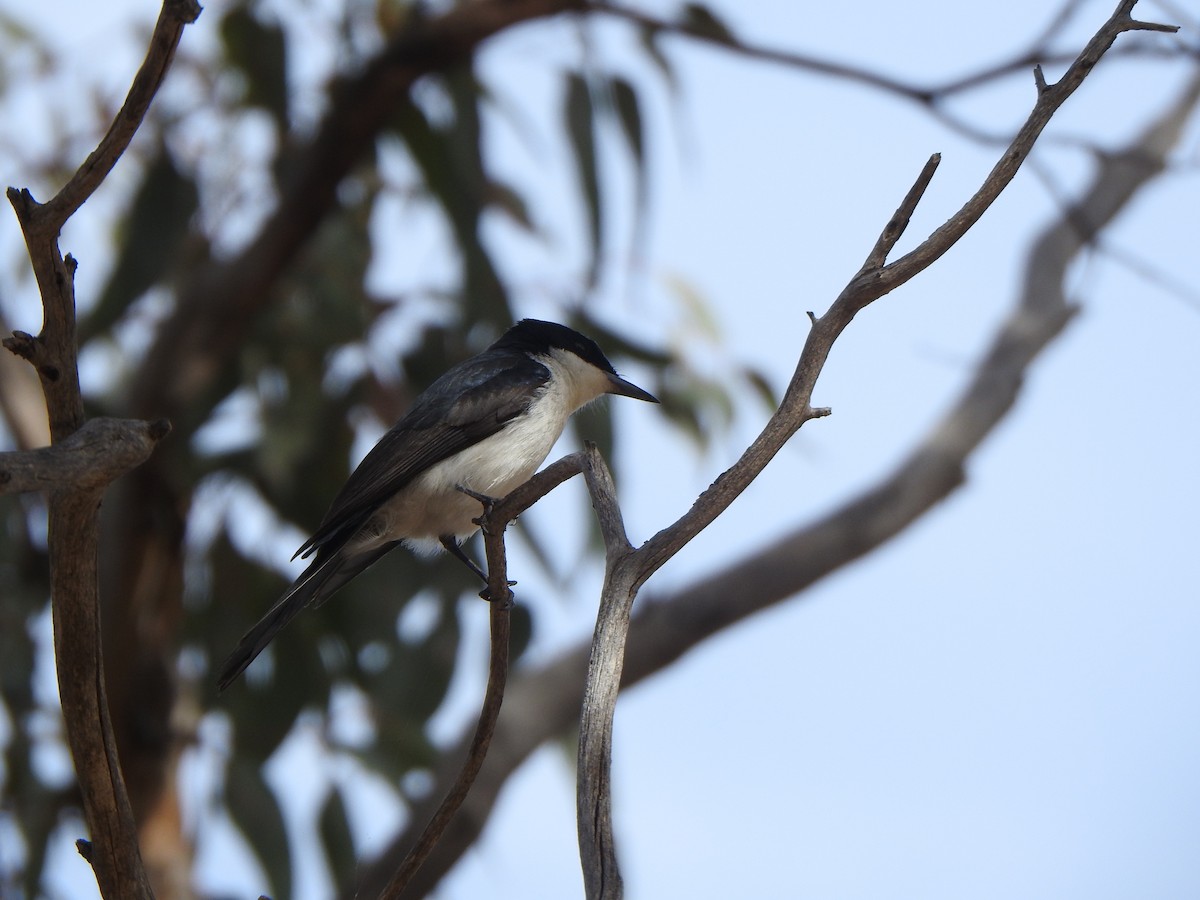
[(451, 162), (259, 50), (648, 36), (698, 310), (336, 837), (521, 633), (505, 198), (701, 20), (595, 423), (762, 387), (154, 230), (616, 345), (484, 296), (579, 114), (255, 811), (629, 115), (680, 408)]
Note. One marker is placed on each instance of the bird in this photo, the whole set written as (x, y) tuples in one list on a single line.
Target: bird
[(480, 430)]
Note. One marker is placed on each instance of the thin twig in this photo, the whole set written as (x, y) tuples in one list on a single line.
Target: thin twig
[(494, 521), (485, 727), (894, 230), (174, 16)]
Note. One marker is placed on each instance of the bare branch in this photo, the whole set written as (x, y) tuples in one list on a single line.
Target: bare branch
[(871, 285), (871, 282), (537, 487), (593, 791), (99, 452), (495, 519), (500, 618), (74, 492), (172, 19), (895, 228), (73, 538), (546, 702), (21, 401), (666, 628), (1015, 347), (931, 95)]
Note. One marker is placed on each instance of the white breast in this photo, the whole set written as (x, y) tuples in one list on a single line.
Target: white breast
[(432, 506)]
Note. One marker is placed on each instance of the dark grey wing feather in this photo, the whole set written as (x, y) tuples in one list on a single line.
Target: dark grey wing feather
[(312, 588), (491, 390)]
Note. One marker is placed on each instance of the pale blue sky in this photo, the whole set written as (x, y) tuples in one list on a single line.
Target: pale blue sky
[(1002, 703)]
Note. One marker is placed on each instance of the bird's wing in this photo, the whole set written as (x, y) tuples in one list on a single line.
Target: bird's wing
[(497, 389)]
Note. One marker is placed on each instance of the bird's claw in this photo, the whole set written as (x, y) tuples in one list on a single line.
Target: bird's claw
[(487, 500), (486, 594)]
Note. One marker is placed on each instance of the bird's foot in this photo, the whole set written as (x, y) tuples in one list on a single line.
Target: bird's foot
[(450, 542), (486, 500)]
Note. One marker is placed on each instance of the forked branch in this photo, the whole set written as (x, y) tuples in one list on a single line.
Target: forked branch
[(545, 702), (874, 280), (75, 470)]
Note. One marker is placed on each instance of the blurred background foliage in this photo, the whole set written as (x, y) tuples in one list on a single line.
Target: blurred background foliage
[(197, 539)]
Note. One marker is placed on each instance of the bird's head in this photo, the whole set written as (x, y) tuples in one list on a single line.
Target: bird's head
[(578, 357)]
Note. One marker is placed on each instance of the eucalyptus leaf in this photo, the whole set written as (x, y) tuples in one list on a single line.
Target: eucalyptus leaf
[(700, 19), (255, 811), (579, 115), (258, 50), (336, 839), (154, 231)]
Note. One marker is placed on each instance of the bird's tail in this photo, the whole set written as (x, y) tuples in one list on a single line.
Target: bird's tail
[(312, 588)]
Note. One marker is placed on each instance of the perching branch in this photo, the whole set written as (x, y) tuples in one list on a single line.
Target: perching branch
[(500, 627), (546, 702), (495, 519), (75, 471)]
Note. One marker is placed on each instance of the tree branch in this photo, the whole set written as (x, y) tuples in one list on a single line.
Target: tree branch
[(168, 30), (110, 447), (874, 280), (871, 282), (543, 703), (932, 96), (495, 519), (593, 790), (213, 312), (99, 452), (500, 626)]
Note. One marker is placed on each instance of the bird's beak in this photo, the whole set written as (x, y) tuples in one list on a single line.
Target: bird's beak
[(618, 385)]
